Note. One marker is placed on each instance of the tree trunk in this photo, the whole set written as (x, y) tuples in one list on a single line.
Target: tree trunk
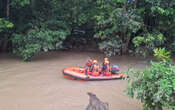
[(135, 4), (5, 41), (4, 46), (125, 47), (124, 51), (8, 9), (123, 34)]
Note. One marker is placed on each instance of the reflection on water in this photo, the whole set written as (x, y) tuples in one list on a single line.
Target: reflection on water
[(40, 85)]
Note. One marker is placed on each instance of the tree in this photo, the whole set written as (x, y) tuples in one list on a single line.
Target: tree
[(158, 17), (155, 85), (5, 26), (116, 24)]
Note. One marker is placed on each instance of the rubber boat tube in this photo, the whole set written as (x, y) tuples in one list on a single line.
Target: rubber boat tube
[(78, 73)]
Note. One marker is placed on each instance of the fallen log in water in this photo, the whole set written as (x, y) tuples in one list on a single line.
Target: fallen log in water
[(95, 103)]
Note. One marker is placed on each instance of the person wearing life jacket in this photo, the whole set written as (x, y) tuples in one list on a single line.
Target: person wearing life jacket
[(95, 68), (104, 65), (88, 66), (107, 71), (106, 68)]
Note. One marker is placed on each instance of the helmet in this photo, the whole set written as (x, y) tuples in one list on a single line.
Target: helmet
[(95, 62), (107, 62), (106, 59)]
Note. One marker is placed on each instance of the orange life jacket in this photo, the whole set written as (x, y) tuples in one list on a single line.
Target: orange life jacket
[(96, 70)]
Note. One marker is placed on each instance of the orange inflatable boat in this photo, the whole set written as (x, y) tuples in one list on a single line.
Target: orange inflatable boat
[(78, 73)]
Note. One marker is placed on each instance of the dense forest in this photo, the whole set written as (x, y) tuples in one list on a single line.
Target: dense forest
[(118, 27)]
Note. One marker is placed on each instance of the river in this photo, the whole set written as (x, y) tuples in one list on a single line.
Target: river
[(40, 85)]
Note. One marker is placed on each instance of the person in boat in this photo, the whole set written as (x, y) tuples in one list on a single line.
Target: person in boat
[(106, 68), (95, 68), (104, 65), (88, 66)]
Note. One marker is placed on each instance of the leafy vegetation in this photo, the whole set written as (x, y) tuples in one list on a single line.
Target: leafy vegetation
[(5, 29), (155, 85), (117, 26), (35, 41), (146, 44), (162, 55), (5, 25)]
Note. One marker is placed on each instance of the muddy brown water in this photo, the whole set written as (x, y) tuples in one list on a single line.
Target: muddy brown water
[(40, 85)]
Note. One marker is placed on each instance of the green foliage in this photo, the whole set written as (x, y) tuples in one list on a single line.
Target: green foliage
[(149, 25), (155, 85), (146, 44), (35, 41), (115, 25), (20, 3), (138, 40), (5, 29), (5, 25), (110, 48), (162, 55), (121, 1)]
